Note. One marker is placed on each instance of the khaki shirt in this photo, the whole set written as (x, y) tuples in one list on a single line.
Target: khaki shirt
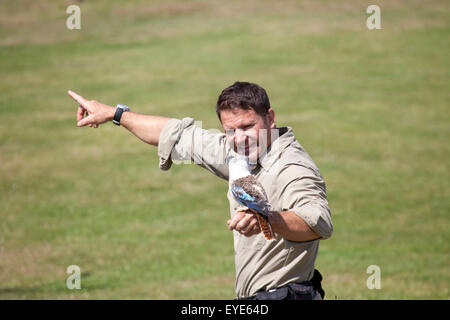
[(292, 182)]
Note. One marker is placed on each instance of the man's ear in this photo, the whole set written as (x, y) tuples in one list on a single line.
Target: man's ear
[(271, 118)]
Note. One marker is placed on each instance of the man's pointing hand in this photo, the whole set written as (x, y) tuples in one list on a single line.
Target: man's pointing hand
[(96, 112)]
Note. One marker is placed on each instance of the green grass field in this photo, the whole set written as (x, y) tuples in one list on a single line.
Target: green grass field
[(372, 108)]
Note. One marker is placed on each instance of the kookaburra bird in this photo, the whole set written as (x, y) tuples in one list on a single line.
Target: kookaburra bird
[(250, 193)]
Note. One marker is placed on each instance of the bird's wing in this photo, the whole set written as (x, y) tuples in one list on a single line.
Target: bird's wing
[(246, 199)]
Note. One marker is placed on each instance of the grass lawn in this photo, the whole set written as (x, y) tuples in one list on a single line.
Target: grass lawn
[(372, 108)]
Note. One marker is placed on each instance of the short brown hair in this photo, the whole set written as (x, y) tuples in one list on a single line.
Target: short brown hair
[(243, 95)]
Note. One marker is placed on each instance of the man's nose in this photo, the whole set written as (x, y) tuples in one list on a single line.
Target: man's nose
[(240, 136)]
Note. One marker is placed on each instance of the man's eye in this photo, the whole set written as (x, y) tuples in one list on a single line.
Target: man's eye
[(229, 132)]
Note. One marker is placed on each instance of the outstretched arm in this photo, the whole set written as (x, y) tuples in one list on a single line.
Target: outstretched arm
[(145, 127)]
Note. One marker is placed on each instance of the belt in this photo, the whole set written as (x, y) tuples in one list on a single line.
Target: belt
[(305, 290)]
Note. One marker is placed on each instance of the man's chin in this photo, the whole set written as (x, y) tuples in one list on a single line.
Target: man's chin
[(253, 157), (252, 154)]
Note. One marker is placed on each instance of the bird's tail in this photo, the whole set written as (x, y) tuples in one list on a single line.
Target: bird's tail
[(265, 226)]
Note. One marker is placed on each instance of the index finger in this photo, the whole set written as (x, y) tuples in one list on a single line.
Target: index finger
[(236, 219), (77, 98)]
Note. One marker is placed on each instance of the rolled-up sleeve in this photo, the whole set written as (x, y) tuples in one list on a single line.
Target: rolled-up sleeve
[(182, 141), (304, 192)]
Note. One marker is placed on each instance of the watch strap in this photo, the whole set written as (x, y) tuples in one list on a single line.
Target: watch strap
[(118, 115)]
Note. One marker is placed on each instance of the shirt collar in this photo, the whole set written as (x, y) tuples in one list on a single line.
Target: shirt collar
[(284, 139)]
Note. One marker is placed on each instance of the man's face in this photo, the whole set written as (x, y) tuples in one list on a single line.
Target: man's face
[(247, 132)]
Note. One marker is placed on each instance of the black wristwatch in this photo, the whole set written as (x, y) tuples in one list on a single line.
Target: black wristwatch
[(121, 108)]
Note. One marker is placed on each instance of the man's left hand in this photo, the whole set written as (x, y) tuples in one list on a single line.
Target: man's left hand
[(244, 222)]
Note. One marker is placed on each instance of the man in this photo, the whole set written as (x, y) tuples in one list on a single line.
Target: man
[(279, 269)]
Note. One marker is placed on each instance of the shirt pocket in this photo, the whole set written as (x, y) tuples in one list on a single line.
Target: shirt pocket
[(300, 252), (255, 242)]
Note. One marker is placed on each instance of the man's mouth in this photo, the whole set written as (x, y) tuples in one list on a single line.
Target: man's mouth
[(250, 149), (247, 149)]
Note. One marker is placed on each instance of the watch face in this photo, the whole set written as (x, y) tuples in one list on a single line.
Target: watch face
[(123, 107)]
